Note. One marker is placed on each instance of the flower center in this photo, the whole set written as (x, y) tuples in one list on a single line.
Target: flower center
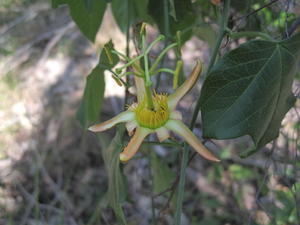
[(155, 118)]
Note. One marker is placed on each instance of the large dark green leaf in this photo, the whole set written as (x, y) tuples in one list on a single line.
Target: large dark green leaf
[(91, 103), (128, 12), (248, 92), (163, 14), (116, 181), (87, 14)]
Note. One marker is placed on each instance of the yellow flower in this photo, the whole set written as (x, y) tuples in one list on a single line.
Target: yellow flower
[(162, 119)]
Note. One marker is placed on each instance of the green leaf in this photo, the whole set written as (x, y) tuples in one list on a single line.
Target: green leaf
[(286, 212), (56, 3), (162, 13), (172, 10), (240, 173), (87, 14), (128, 12), (207, 34), (248, 92), (116, 181), (163, 176), (211, 221), (245, 5), (91, 103)]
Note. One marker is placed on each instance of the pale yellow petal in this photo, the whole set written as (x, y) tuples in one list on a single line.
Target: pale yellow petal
[(178, 127), (134, 143), (162, 134), (130, 126), (140, 88), (176, 115), (174, 98), (140, 85), (120, 118)]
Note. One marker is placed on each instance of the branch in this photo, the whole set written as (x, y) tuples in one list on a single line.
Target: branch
[(255, 11), (172, 188), (53, 41), (22, 54), (292, 29)]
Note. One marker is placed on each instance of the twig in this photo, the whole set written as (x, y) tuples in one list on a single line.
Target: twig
[(60, 195), (167, 144), (23, 53), (293, 28), (154, 222), (255, 11), (29, 14), (7, 27), (172, 188), (286, 18), (32, 202), (175, 182), (54, 40), (295, 193), (268, 164)]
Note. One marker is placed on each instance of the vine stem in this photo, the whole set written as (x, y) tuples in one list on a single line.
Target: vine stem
[(250, 34), (152, 186), (185, 156), (223, 25), (166, 19)]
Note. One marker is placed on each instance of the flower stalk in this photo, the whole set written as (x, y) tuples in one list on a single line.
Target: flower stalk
[(147, 79)]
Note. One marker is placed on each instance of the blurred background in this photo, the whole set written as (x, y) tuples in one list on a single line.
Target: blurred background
[(51, 170)]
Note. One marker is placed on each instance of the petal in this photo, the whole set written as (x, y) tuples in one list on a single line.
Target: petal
[(162, 134), (140, 87), (176, 115), (134, 143), (178, 127), (174, 98), (130, 126), (120, 118)]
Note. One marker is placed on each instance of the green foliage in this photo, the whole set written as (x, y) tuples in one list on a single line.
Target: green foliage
[(169, 25), (205, 33), (163, 176), (128, 12), (285, 209), (87, 14), (91, 103), (240, 173), (244, 6), (116, 181), (249, 91), (10, 80), (210, 221)]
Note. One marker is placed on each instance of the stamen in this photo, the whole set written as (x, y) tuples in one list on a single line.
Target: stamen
[(155, 118)]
